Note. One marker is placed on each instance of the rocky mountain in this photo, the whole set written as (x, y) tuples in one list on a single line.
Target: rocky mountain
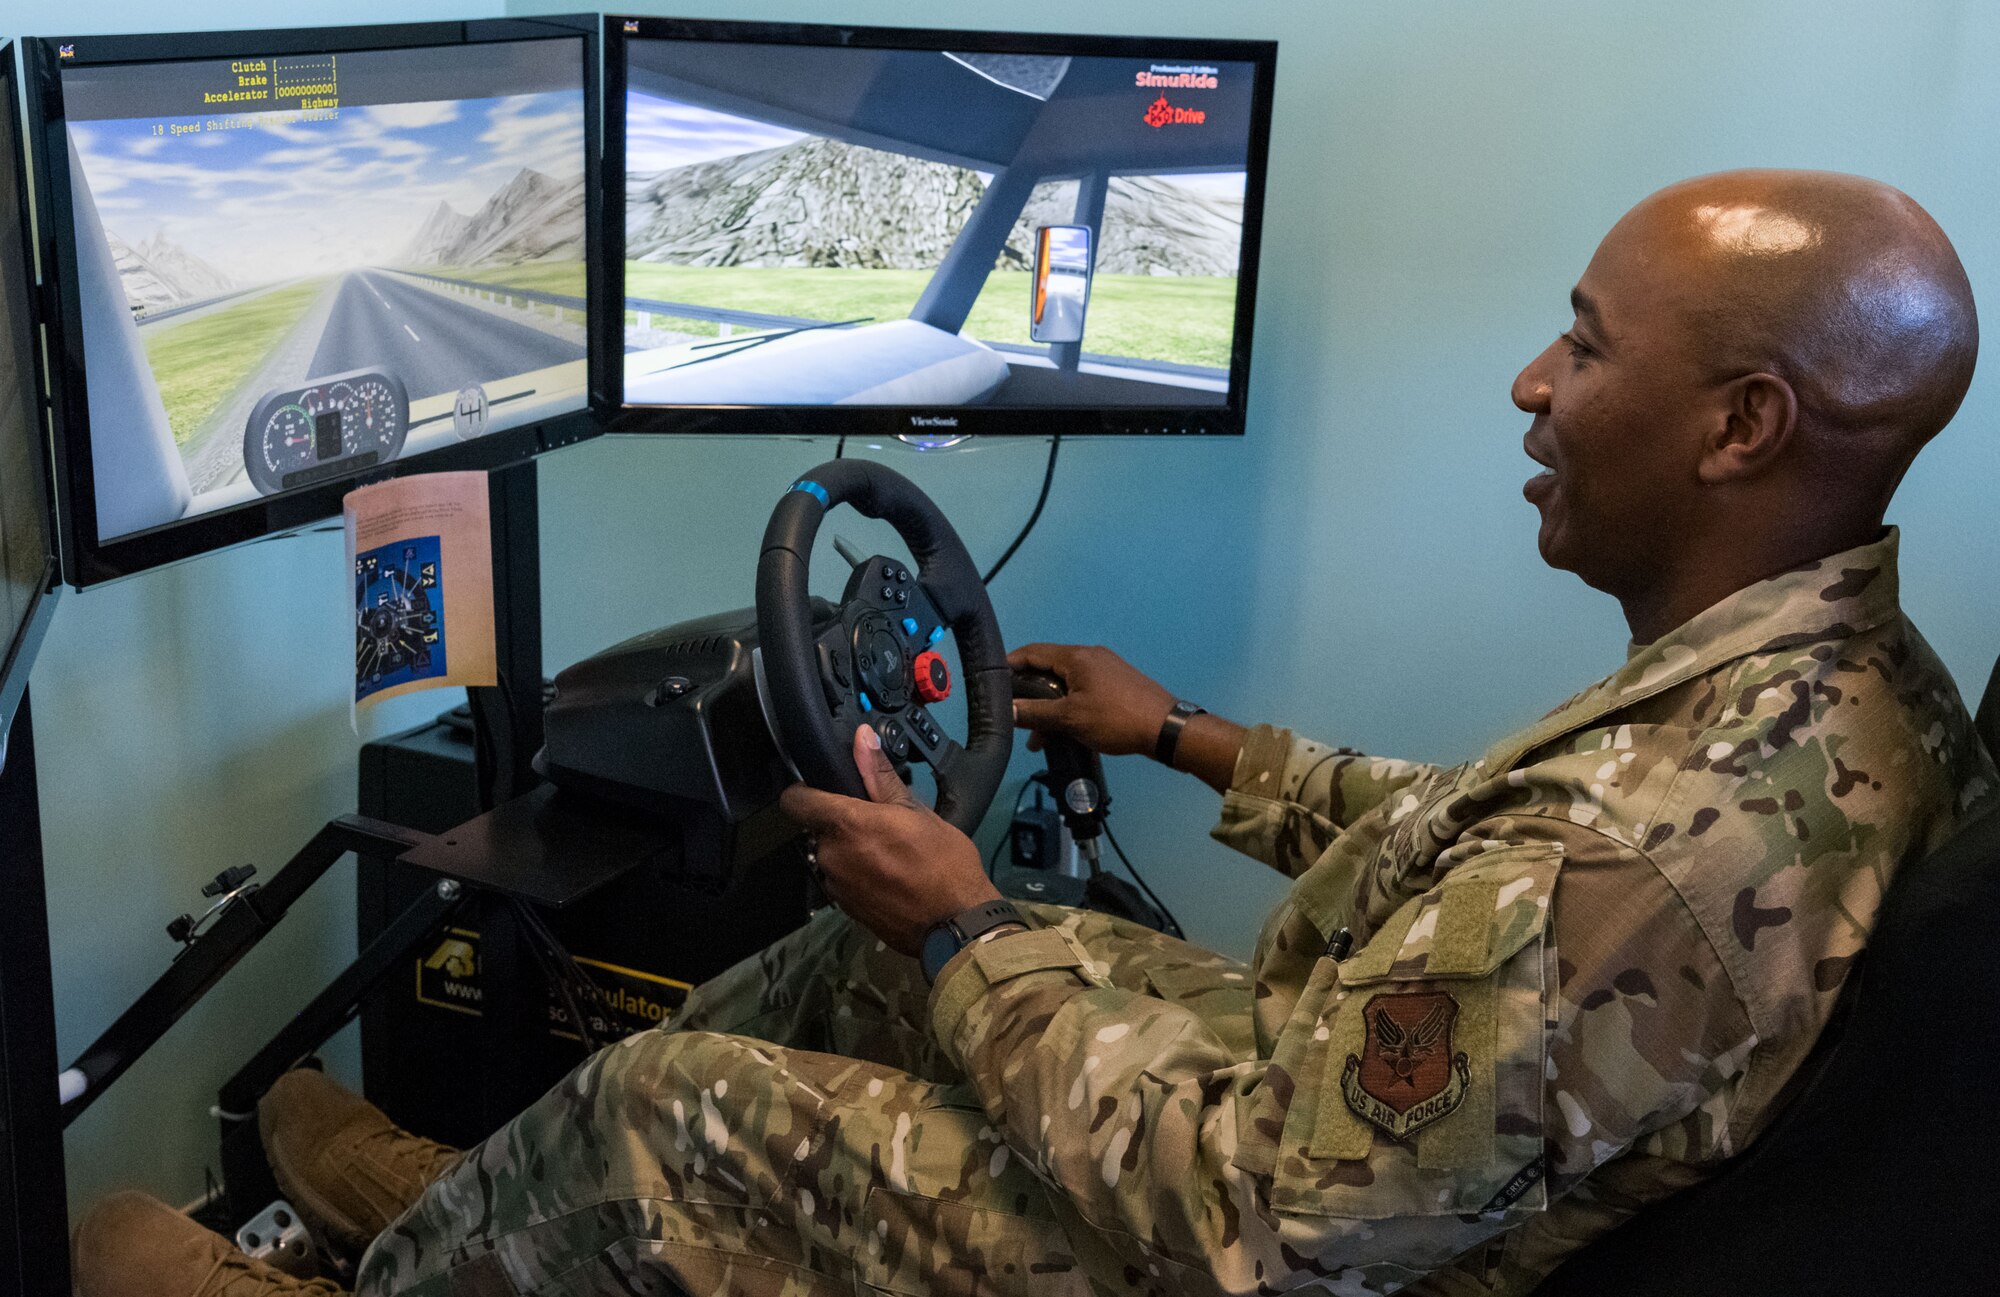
[(1153, 225), (443, 227), (160, 273), (531, 217), (818, 202)]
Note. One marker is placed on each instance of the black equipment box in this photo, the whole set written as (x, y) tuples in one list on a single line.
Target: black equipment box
[(643, 939)]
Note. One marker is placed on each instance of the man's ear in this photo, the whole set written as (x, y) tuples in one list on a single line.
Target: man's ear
[(1759, 417)]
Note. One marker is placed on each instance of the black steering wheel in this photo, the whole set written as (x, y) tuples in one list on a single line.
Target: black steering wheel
[(875, 661)]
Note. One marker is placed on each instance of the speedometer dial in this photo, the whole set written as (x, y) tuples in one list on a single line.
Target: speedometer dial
[(376, 417)]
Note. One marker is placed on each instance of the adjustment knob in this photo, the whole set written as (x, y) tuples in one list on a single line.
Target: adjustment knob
[(933, 676)]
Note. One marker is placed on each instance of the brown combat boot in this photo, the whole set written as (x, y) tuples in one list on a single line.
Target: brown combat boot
[(340, 1161), (134, 1245)]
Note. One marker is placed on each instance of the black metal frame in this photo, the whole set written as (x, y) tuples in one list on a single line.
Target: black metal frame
[(239, 926), (87, 558), (19, 653), (34, 1214), (508, 715), (33, 1209), (246, 1175), (890, 421)]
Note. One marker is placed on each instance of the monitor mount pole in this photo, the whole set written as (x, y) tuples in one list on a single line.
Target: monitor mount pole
[(507, 732), (34, 1216), (507, 716)]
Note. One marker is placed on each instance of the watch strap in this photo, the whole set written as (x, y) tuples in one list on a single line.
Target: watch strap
[(1169, 740), (966, 927)]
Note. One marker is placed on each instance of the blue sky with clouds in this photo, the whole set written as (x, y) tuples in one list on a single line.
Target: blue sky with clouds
[(284, 198), (662, 133)]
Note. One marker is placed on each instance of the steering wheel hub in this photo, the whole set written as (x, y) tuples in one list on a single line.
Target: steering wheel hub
[(883, 662)]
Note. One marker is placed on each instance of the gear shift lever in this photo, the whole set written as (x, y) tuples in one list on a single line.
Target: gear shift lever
[(1076, 774)]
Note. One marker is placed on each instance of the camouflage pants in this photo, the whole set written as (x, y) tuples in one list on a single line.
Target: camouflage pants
[(795, 1131)]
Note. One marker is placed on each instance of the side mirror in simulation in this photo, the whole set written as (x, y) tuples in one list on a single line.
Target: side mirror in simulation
[(1062, 283)]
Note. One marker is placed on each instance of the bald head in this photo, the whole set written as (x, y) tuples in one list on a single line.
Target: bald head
[(1757, 357), (1842, 286)]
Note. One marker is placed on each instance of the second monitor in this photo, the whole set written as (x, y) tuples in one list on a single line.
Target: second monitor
[(883, 230)]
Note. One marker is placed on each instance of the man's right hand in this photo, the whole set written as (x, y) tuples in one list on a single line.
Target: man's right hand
[(1112, 707)]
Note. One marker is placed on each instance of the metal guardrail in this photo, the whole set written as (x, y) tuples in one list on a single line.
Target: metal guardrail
[(643, 305), (149, 317), (535, 295)]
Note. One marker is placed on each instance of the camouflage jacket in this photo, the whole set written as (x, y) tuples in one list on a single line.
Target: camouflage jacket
[(1506, 1004)]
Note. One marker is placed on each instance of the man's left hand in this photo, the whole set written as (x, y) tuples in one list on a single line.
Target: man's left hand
[(890, 862)]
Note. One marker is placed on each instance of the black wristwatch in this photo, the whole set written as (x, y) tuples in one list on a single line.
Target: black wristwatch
[(1170, 730), (949, 936)]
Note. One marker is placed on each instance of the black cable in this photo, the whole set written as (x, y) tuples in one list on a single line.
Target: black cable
[(840, 447), (562, 971), (573, 971), (558, 983), (1020, 795), (1173, 924), (1048, 476)]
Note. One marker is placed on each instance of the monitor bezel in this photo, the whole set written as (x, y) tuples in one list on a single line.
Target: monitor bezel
[(87, 558), (17, 655), (927, 421)]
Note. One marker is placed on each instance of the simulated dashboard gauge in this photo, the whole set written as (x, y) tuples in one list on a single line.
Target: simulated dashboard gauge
[(340, 424)]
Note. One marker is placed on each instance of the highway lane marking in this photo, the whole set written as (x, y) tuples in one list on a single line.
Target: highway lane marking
[(413, 333)]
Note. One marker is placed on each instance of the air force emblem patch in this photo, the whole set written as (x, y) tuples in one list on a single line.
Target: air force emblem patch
[(1407, 1075)]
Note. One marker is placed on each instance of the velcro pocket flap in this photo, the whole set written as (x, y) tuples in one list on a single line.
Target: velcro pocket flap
[(1476, 919), (1016, 954)]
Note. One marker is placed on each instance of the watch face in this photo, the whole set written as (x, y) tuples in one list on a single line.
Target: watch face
[(940, 944)]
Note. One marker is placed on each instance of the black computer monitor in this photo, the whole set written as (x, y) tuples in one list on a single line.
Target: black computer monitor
[(27, 534), (286, 262), (880, 231)]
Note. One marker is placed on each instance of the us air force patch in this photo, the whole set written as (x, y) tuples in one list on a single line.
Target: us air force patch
[(1407, 1075)]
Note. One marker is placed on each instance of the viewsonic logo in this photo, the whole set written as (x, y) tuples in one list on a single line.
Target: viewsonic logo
[(933, 421)]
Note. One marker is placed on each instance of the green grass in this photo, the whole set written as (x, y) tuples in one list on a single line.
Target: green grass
[(199, 362), (1187, 320)]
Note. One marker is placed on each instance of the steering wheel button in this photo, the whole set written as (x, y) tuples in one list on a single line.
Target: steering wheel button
[(866, 706), (933, 676), (901, 576), (937, 633), (910, 627)]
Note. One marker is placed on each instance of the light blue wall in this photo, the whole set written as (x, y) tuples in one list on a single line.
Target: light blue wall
[(1360, 565)]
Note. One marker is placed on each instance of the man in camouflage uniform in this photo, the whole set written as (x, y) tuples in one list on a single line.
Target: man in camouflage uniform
[(1505, 1005)]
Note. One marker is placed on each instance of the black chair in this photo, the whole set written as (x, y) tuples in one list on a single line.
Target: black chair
[(1882, 1176)]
